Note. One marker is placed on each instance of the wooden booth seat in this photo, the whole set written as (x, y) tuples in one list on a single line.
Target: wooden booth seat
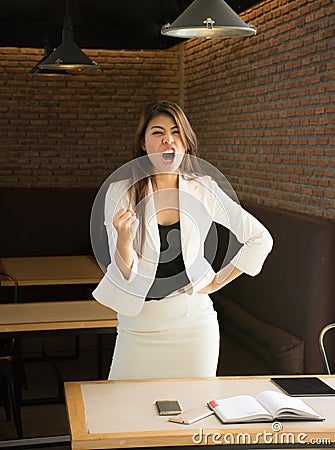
[(294, 293)]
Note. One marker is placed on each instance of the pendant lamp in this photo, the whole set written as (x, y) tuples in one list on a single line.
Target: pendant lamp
[(47, 51), (67, 56), (208, 19)]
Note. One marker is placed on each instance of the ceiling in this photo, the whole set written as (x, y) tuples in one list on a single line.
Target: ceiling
[(100, 24)]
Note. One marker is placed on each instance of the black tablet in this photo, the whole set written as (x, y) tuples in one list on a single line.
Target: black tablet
[(303, 386)]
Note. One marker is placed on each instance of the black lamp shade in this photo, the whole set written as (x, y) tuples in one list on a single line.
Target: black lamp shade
[(67, 56), (208, 19), (47, 51)]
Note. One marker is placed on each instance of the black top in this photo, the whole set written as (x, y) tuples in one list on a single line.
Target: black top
[(170, 274)]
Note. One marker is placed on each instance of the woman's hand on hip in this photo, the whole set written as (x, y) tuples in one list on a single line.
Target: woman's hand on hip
[(222, 278)]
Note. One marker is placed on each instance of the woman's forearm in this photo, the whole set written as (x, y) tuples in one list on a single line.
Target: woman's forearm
[(222, 278), (126, 224), (124, 259)]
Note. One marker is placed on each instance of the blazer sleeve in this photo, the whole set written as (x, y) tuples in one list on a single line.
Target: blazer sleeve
[(256, 239), (116, 198), (114, 290)]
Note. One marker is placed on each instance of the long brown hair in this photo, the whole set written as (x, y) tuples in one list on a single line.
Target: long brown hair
[(141, 178)]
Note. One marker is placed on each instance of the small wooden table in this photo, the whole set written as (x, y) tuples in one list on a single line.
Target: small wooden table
[(80, 315), (53, 318), (51, 270), (122, 414)]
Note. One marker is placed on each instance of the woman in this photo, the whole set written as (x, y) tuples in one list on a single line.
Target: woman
[(158, 281)]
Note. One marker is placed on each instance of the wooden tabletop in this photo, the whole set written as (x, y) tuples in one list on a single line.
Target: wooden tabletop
[(51, 270), (122, 414), (65, 315)]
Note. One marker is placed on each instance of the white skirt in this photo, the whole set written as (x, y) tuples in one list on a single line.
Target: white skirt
[(176, 337)]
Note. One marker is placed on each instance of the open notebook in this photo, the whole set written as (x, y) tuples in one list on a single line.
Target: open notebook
[(265, 407)]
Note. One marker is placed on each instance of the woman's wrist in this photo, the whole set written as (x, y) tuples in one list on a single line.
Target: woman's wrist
[(221, 279), (124, 257)]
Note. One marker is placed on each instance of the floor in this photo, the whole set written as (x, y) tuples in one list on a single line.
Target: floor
[(45, 377)]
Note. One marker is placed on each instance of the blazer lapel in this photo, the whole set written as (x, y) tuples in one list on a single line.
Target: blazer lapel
[(151, 221), (189, 197)]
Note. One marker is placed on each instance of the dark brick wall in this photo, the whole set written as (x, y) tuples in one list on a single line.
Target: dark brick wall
[(73, 131), (263, 106)]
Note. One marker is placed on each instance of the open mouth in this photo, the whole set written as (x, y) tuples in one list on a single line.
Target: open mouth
[(168, 155)]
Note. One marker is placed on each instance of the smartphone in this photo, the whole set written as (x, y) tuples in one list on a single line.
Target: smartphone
[(168, 407), (192, 415)]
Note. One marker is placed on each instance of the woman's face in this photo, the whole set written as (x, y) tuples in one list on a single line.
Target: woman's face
[(163, 143)]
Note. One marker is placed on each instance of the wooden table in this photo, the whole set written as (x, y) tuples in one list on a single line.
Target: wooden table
[(77, 315), (122, 414), (51, 270), (53, 318)]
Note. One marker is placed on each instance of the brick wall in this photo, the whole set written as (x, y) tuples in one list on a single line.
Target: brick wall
[(75, 130), (263, 106)]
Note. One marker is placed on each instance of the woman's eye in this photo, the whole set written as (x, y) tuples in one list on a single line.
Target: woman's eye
[(157, 132)]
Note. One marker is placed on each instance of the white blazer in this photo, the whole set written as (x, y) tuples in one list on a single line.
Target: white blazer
[(201, 202)]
